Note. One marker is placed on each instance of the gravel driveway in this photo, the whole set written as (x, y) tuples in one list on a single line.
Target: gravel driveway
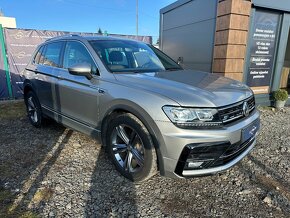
[(57, 172)]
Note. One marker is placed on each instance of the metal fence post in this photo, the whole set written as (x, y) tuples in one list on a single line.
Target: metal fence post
[(6, 66)]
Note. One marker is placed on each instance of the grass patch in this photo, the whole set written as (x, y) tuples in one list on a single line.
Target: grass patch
[(6, 201), (12, 110), (42, 195), (28, 214)]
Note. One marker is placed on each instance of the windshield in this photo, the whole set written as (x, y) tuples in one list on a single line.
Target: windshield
[(131, 56)]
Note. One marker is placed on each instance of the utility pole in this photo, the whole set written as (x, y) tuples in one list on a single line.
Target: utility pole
[(136, 17)]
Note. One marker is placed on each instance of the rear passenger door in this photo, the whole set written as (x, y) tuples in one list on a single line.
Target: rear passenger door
[(48, 61), (78, 95)]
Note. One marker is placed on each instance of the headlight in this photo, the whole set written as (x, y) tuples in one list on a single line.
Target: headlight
[(192, 117)]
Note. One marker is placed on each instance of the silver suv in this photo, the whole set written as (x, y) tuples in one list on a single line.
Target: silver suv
[(150, 114)]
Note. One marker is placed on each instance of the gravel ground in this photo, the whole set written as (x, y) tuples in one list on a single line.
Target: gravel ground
[(57, 172)]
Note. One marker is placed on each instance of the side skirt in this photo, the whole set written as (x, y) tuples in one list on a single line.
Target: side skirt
[(72, 123)]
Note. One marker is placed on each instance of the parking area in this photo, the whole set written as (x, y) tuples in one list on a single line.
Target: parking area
[(57, 172)]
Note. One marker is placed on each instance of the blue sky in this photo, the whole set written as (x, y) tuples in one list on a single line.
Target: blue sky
[(115, 16)]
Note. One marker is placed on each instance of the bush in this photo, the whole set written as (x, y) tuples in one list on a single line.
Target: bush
[(280, 95)]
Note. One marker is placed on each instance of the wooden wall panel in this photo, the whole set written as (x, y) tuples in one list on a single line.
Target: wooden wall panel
[(232, 21), (232, 28), (238, 37), (228, 66), (241, 7), (234, 7), (284, 77), (229, 51)]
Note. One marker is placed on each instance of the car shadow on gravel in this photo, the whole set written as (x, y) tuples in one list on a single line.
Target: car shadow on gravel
[(29, 156), (26, 156), (110, 194)]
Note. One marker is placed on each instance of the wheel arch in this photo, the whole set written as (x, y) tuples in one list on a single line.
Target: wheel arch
[(27, 86)]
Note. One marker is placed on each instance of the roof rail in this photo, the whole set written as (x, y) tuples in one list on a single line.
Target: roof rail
[(64, 36)]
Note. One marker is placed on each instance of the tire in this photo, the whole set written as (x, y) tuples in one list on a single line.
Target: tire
[(33, 109), (130, 147)]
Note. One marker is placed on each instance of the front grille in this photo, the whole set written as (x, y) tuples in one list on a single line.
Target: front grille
[(234, 112)]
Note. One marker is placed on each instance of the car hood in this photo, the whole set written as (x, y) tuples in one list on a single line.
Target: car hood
[(189, 88)]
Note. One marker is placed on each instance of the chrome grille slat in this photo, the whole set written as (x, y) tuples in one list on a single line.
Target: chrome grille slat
[(232, 112), (235, 112), (232, 119)]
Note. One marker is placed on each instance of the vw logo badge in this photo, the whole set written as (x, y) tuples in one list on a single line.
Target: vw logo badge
[(246, 109)]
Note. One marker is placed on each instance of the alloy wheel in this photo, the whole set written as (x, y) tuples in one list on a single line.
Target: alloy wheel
[(32, 110), (128, 148)]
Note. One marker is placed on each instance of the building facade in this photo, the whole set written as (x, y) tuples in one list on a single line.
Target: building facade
[(9, 22), (240, 39)]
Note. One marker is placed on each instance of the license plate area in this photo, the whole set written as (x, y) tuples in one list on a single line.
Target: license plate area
[(250, 130)]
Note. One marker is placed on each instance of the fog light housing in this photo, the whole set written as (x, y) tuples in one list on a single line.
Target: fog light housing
[(195, 164), (200, 155)]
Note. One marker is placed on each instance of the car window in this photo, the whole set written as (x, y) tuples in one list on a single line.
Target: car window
[(37, 56), (131, 56), (76, 53), (167, 62), (52, 54), (117, 56)]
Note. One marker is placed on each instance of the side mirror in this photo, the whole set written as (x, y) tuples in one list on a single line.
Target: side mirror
[(83, 69)]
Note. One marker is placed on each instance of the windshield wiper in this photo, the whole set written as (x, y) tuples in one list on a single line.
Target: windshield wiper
[(173, 68), (141, 70)]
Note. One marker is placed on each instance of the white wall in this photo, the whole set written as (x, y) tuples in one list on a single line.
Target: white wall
[(9, 22)]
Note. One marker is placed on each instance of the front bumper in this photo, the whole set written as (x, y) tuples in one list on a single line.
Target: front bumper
[(220, 163), (216, 149)]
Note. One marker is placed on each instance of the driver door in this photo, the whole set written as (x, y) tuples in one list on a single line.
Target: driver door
[(78, 96)]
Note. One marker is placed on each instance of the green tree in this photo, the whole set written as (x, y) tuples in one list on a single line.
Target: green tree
[(100, 31)]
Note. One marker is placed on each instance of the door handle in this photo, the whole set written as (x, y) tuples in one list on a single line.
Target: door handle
[(101, 91), (59, 77), (94, 87)]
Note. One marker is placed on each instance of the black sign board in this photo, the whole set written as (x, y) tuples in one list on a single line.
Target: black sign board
[(263, 46)]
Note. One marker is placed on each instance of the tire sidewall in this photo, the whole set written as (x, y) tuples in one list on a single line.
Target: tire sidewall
[(143, 133), (38, 108)]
